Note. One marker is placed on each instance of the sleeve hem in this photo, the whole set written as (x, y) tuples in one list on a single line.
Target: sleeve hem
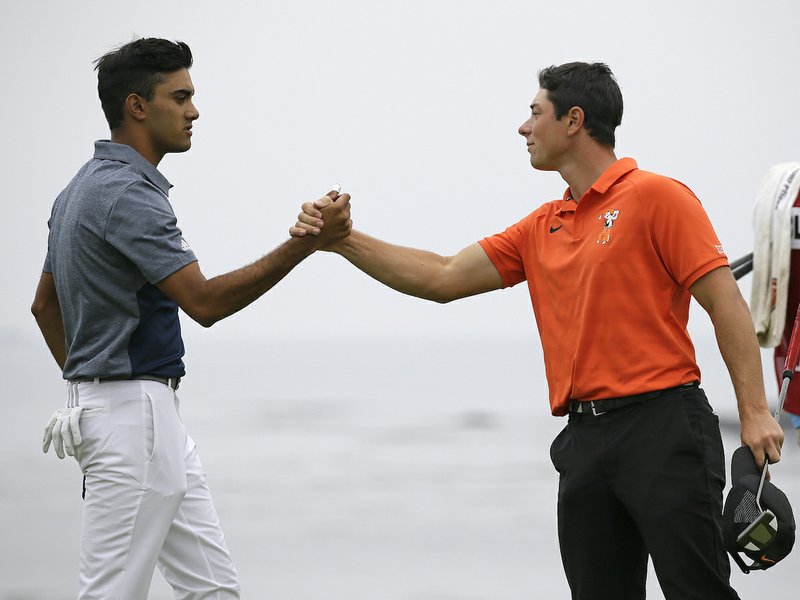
[(174, 266), (721, 261)]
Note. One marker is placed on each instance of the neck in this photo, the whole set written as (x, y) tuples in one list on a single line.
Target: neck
[(584, 168), (141, 145)]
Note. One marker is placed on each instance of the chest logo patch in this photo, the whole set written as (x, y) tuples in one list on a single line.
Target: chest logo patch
[(608, 219)]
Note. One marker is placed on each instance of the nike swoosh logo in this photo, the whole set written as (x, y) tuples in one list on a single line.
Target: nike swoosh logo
[(554, 229)]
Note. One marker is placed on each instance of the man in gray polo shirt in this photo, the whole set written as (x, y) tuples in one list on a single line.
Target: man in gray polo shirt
[(116, 271)]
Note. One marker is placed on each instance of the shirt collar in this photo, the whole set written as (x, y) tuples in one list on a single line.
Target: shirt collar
[(105, 149), (609, 177), (567, 203)]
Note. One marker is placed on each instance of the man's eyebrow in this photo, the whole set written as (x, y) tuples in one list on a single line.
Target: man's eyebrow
[(183, 92)]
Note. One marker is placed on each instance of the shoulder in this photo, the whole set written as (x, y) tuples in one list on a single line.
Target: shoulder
[(141, 206), (126, 188), (102, 182), (520, 232), (656, 183), (658, 191)]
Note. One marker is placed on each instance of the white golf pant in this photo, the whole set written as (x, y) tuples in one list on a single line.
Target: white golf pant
[(147, 501)]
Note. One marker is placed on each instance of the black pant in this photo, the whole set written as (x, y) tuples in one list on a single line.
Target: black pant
[(646, 479)]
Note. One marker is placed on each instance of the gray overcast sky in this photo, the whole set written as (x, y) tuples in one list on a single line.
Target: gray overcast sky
[(412, 106)]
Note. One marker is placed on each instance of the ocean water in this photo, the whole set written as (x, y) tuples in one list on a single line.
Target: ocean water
[(356, 469)]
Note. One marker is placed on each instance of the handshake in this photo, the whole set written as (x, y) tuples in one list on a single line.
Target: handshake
[(328, 219)]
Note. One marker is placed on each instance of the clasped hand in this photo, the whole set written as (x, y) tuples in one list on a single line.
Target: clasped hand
[(327, 218), (63, 431)]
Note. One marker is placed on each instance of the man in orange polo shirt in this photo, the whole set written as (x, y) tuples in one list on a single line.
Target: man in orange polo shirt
[(611, 268)]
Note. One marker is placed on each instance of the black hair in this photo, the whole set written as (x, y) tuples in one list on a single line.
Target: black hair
[(590, 86), (136, 68)]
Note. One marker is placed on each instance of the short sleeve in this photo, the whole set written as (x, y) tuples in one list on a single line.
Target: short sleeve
[(682, 232), (142, 226), (506, 251)]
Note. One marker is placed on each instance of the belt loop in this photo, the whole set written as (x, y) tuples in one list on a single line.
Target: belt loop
[(96, 380), (171, 383)]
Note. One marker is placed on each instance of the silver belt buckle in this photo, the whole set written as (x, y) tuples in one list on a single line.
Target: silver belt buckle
[(594, 410)]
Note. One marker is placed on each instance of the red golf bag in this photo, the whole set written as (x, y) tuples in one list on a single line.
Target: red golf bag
[(792, 404)]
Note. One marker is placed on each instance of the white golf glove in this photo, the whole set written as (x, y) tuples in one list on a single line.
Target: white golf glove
[(64, 431)]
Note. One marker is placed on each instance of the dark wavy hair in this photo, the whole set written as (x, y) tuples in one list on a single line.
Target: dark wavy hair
[(590, 86), (136, 68)]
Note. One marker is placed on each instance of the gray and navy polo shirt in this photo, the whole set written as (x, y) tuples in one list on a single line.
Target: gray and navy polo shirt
[(113, 235)]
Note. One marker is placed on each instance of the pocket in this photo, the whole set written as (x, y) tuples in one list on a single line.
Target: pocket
[(707, 438), (697, 396), (93, 411), (95, 432), (150, 428), (559, 449)]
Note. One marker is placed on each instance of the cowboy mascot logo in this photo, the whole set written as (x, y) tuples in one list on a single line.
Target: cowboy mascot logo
[(608, 218)]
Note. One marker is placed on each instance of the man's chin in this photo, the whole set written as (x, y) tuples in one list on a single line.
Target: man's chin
[(542, 166), (182, 148)]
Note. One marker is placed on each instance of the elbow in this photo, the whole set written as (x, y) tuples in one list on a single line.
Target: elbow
[(45, 300), (202, 316), (442, 299), (39, 309), (201, 310), (439, 291), (204, 320), (442, 295)]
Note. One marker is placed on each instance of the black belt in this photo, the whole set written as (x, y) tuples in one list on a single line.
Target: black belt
[(599, 407), (172, 382)]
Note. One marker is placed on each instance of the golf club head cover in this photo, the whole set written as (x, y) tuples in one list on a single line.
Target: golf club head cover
[(741, 510)]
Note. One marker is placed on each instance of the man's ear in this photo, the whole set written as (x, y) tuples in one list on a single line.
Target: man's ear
[(575, 120), (136, 107)]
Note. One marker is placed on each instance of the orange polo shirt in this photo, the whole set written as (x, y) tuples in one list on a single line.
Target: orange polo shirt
[(609, 281)]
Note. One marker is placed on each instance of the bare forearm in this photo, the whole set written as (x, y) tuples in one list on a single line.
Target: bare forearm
[(209, 300), (224, 295), (718, 293), (737, 344), (414, 272), (52, 327), (47, 312), (421, 273)]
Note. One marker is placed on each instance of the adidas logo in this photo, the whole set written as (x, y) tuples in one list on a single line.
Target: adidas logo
[(184, 245)]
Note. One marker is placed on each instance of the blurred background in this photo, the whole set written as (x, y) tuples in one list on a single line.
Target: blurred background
[(361, 444)]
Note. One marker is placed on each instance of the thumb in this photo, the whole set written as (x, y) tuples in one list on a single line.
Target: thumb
[(334, 191)]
